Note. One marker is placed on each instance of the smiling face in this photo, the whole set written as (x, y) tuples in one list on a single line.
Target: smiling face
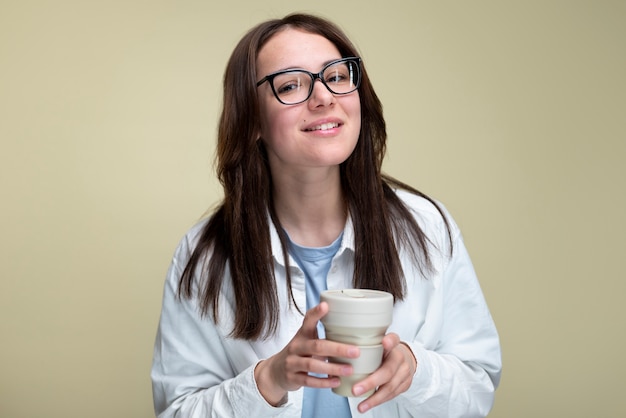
[(320, 132)]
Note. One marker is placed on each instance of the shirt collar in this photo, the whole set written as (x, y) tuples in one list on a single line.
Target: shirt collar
[(347, 243)]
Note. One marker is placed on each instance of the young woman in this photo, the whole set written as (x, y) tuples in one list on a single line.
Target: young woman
[(306, 208)]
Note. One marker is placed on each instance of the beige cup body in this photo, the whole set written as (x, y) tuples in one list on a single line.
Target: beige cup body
[(368, 361), (359, 317), (361, 336)]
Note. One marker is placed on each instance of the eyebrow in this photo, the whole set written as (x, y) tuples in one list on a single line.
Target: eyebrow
[(324, 64)]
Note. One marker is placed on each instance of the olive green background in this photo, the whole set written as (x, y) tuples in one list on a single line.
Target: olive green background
[(513, 114)]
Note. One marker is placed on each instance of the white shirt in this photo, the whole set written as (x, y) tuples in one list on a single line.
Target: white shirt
[(198, 371)]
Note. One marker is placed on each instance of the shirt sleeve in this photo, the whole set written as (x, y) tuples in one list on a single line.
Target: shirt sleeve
[(192, 374), (457, 377)]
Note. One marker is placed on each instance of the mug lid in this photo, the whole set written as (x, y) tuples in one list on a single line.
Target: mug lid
[(358, 300)]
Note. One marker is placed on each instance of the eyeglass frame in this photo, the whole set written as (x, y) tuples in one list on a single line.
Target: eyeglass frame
[(314, 76)]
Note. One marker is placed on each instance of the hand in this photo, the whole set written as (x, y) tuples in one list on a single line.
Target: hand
[(289, 369), (392, 378)]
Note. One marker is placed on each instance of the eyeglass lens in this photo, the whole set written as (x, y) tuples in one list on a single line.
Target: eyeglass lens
[(295, 86)]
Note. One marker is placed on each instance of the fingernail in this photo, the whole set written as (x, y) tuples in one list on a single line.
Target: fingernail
[(358, 390), (363, 407), (353, 352), (346, 371)]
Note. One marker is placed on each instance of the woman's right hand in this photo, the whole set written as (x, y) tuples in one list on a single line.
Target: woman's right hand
[(289, 369)]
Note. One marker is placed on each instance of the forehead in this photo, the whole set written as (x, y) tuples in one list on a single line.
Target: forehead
[(294, 48)]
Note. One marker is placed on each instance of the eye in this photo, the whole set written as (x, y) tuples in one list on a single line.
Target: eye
[(288, 83), (288, 87), (337, 75)]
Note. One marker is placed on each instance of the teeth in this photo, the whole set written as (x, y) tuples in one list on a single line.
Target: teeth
[(323, 127)]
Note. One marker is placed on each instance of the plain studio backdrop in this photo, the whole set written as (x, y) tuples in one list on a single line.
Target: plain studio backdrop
[(513, 114)]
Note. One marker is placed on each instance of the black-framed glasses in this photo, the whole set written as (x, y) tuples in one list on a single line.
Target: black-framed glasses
[(291, 87)]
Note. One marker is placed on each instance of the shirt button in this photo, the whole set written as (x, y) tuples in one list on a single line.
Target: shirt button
[(334, 269)]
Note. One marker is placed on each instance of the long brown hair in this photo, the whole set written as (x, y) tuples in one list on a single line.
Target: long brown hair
[(235, 241)]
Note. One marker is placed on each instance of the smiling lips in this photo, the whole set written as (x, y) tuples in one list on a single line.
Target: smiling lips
[(323, 127)]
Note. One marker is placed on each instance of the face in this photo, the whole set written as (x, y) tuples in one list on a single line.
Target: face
[(318, 133)]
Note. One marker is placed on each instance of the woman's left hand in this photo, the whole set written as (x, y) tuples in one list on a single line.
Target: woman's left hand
[(392, 378)]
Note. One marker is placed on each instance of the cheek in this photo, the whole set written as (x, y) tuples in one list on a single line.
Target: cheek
[(276, 123), (355, 113), (353, 106)]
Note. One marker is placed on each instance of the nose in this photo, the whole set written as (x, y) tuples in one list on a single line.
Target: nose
[(320, 96)]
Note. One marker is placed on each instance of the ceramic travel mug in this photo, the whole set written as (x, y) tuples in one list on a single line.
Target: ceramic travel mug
[(359, 317)]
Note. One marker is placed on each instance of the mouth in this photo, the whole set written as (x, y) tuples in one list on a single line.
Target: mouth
[(323, 127)]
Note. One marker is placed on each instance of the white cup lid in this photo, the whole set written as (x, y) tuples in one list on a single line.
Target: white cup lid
[(358, 301)]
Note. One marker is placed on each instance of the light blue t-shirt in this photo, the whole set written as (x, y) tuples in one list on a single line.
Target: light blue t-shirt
[(315, 262)]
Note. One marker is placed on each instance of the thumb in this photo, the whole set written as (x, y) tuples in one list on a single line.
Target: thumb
[(313, 315)]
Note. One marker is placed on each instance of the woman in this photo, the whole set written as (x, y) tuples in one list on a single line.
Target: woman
[(306, 208)]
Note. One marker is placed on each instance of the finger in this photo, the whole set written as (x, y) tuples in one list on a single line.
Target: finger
[(378, 379), (323, 367), (326, 349), (320, 382), (383, 393), (392, 378), (321, 357), (390, 341), (311, 318)]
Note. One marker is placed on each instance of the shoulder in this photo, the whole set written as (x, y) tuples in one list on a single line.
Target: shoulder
[(189, 242), (417, 203), (432, 216)]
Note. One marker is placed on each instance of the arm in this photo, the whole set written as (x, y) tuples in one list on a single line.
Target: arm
[(195, 372), (198, 372), (291, 368), (458, 364)]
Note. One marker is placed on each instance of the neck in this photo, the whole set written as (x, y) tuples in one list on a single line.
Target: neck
[(311, 208)]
